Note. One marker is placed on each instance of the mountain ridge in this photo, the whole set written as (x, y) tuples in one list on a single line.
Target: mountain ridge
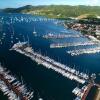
[(56, 11)]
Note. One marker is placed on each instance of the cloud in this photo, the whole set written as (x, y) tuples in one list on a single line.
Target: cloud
[(93, 2)]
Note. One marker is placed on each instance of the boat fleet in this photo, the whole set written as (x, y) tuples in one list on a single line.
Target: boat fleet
[(64, 45), (4, 35), (80, 92), (26, 19), (60, 36), (83, 92), (94, 43), (11, 20), (71, 73), (2, 38), (12, 88), (84, 51)]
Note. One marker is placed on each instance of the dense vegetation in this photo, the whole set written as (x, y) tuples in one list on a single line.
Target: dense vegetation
[(58, 11)]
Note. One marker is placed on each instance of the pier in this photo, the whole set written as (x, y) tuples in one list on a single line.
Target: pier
[(83, 92), (11, 87), (84, 51), (60, 36), (87, 91), (64, 45), (71, 73)]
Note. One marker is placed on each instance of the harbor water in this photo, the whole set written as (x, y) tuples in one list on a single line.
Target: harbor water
[(46, 83)]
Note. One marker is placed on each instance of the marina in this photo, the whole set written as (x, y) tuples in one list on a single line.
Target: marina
[(64, 45), (81, 94), (61, 72), (60, 36), (24, 48), (12, 88), (84, 51)]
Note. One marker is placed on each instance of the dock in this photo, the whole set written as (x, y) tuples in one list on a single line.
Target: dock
[(70, 73), (60, 36), (82, 93), (64, 45), (84, 51), (12, 88)]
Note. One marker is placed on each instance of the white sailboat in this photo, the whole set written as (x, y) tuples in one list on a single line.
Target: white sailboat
[(34, 32), (97, 31)]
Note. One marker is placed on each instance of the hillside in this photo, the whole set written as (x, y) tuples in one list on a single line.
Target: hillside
[(57, 11)]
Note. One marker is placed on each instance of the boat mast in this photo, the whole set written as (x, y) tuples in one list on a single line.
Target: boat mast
[(23, 38), (28, 39), (22, 80)]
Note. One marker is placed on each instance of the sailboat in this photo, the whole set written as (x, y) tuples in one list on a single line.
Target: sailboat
[(40, 99), (97, 31), (34, 32)]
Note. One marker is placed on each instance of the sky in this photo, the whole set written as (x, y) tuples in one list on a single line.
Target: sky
[(19, 3)]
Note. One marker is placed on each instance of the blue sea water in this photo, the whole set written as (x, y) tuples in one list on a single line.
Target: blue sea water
[(46, 83)]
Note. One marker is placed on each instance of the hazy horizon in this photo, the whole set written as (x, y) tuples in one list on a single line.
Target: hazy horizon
[(20, 3)]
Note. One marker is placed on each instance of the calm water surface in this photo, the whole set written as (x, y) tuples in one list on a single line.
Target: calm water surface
[(46, 83)]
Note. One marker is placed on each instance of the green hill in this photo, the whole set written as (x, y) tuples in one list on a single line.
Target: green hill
[(57, 11)]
